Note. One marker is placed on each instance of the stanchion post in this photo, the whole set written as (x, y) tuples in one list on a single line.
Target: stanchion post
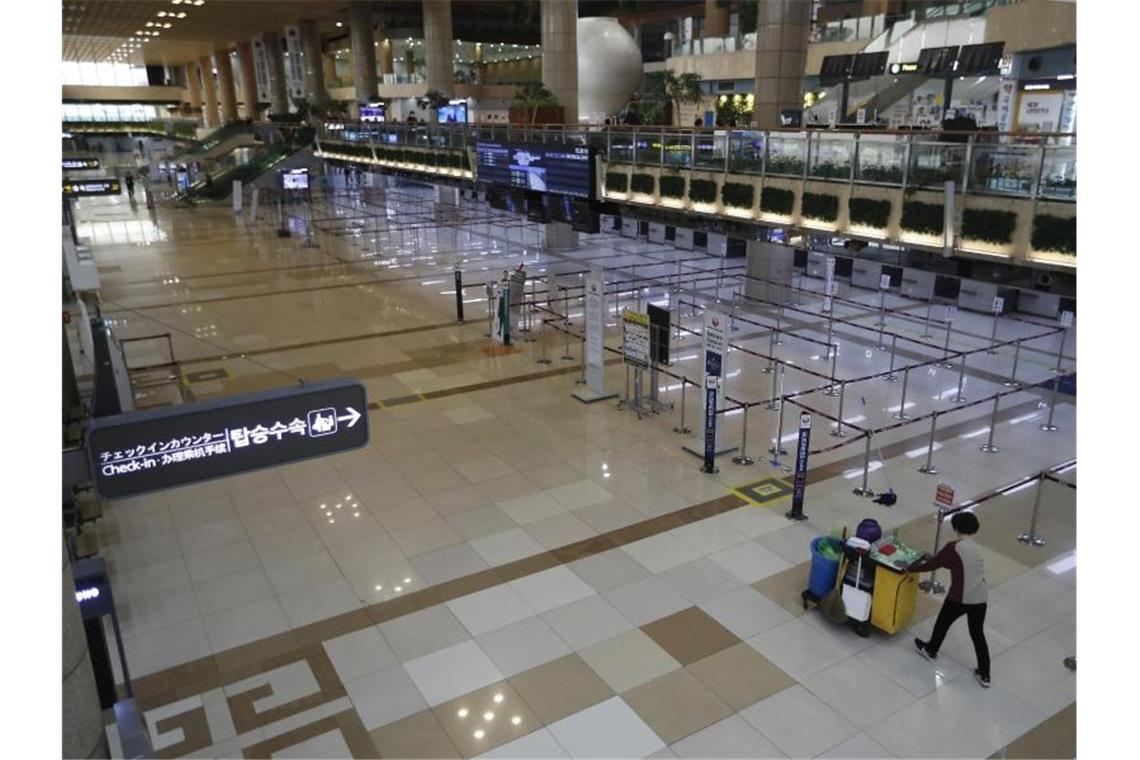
[(1030, 538), (839, 432), (1048, 425), (681, 428), (542, 341), (891, 376), (989, 446), (779, 320), (864, 489), (993, 334), (582, 352), (1012, 381), (926, 326), (830, 389), (945, 363), (960, 399), (458, 295), (778, 449), (931, 584), (901, 413), (929, 468), (742, 458), (772, 402)]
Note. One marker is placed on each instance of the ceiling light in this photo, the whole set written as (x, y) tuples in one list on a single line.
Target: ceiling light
[(181, 14), (199, 2), (339, 24), (149, 23), (161, 14), (167, 25), (176, 2)]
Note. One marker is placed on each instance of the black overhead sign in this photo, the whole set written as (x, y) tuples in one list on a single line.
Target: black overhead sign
[(73, 188), (140, 452), (75, 163)]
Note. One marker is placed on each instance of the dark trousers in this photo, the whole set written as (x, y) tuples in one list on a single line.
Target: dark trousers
[(975, 618)]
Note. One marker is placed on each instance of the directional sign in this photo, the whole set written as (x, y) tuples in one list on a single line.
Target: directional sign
[(140, 452), (75, 163), (74, 188)]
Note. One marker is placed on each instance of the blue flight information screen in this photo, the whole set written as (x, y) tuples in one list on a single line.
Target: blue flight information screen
[(561, 169)]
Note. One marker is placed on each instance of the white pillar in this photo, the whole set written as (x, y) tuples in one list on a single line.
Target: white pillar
[(248, 79), (209, 94), (315, 91), (438, 48), (278, 92), (560, 54), (228, 94)]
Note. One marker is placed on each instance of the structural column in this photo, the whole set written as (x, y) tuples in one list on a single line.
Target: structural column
[(315, 91), (278, 92), (387, 60), (438, 49), (560, 54), (363, 51), (195, 86), (209, 94), (716, 19), (248, 79), (226, 85), (82, 717), (781, 52)]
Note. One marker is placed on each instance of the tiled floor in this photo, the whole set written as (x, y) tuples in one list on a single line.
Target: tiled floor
[(502, 551)]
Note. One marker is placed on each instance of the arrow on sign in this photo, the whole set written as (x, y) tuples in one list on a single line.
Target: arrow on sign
[(352, 416)]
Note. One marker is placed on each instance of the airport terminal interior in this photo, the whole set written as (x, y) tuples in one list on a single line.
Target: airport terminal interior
[(568, 378)]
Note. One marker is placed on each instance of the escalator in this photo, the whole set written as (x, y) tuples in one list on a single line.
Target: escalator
[(264, 158)]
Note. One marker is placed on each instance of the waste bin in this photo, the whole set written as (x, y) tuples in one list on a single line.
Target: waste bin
[(823, 570)]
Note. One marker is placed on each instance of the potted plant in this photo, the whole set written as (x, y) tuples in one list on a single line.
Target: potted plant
[(532, 101)]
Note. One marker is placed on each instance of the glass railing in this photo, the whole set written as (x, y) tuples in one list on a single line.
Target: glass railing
[(711, 45), (980, 163)]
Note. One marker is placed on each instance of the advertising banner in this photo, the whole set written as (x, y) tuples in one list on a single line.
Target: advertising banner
[(712, 388), (261, 71), (294, 62), (595, 318), (1040, 111)]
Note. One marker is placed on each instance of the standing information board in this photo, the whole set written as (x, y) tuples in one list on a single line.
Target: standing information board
[(635, 338), (799, 482), (595, 389), (141, 452)]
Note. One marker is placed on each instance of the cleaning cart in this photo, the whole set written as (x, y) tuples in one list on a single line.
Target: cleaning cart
[(866, 584)]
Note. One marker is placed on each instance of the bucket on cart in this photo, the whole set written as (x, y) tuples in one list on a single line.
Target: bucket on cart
[(823, 570)]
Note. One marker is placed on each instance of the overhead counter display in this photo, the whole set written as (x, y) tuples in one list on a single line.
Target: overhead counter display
[(560, 169)]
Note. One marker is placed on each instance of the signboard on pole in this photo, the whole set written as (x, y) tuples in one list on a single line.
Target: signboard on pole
[(884, 282), (944, 496), (1066, 319), (595, 319), (635, 338), (714, 341), (951, 311), (77, 188), (999, 304), (156, 449), (712, 388), (799, 482)]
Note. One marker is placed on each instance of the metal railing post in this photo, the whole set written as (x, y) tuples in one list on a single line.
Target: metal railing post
[(830, 390), (839, 432), (1048, 425), (777, 445), (901, 414), (989, 446), (681, 428), (929, 468), (742, 458), (1012, 381), (945, 364), (891, 376), (926, 325), (1030, 538), (931, 584), (864, 490)]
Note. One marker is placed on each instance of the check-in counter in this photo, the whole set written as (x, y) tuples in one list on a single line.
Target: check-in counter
[(717, 244), (1038, 303), (656, 232), (865, 274), (975, 295), (816, 265), (918, 283), (629, 227), (683, 239)]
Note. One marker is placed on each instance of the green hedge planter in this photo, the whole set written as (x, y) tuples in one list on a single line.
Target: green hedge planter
[(641, 183), (785, 165), (820, 206), (877, 173), (988, 225), (617, 182), (869, 212), (775, 200), (737, 195), (702, 191), (1054, 233), (923, 218), (830, 170), (672, 186)]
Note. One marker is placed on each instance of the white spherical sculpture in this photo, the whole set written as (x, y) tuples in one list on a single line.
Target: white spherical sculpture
[(609, 68)]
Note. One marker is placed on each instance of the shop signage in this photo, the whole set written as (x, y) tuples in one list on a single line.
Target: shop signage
[(261, 71), (78, 188), (1040, 112), (141, 452), (635, 338), (799, 482), (1007, 94)]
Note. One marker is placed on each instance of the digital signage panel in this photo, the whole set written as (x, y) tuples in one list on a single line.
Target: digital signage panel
[(560, 169), (294, 179)]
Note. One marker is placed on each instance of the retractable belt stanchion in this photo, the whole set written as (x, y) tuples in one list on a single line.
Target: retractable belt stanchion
[(830, 389), (864, 489), (1048, 425), (926, 326), (1030, 537), (681, 428), (839, 432), (742, 458), (1012, 381), (566, 357), (891, 377), (542, 341), (993, 334), (989, 446), (929, 468), (779, 321), (901, 413), (945, 363), (959, 398), (777, 445), (931, 584)]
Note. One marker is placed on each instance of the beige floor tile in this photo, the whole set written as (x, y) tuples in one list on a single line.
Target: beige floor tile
[(628, 660), (740, 676), (416, 736), (484, 719), (560, 688), (785, 588), (690, 635), (676, 705)]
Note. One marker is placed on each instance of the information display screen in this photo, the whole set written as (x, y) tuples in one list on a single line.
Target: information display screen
[(560, 169), (74, 164), (140, 452), (453, 112), (373, 112), (294, 179), (75, 188)]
